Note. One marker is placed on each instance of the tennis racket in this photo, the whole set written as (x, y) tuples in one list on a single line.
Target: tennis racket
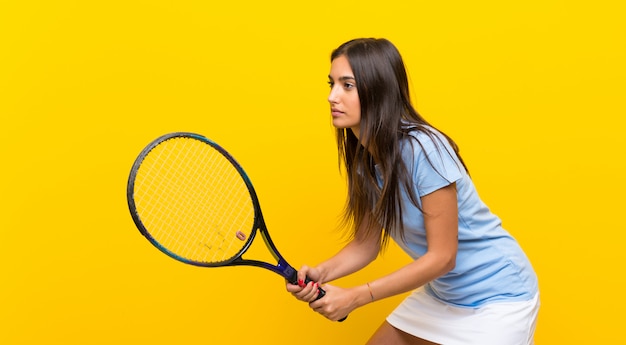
[(194, 202)]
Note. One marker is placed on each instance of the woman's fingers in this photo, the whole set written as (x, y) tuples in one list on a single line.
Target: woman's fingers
[(306, 293)]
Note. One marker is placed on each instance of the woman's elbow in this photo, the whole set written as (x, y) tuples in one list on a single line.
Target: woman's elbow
[(448, 263)]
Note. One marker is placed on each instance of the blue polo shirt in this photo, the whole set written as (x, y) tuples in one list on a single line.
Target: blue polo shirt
[(490, 265)]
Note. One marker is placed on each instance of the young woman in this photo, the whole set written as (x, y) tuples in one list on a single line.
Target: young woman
[(472, 282)]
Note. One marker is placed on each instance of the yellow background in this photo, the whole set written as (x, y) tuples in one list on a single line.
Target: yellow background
[(533, 92)]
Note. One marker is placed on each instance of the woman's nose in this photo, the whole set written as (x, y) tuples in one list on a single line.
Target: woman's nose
[(332, 96)]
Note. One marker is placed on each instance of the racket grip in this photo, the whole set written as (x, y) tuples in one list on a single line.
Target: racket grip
[(322, 293)]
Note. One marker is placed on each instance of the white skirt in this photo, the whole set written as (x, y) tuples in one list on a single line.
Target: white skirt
[(498, 323)]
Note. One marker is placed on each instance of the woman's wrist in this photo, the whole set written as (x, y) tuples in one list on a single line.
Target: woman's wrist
[(369, 288), (365, 295), (323, 273)]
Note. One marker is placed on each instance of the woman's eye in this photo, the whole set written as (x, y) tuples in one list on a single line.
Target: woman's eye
[(348, 85), (331, 84)]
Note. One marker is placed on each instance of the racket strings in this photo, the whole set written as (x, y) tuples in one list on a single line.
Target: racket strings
[(193, 201)]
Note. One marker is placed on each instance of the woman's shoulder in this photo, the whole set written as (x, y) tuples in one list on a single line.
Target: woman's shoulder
[(423, 138)]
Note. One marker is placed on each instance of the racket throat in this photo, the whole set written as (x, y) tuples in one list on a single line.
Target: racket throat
[(287, 271)]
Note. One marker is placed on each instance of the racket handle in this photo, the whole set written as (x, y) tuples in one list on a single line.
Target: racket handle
[(322, 293)]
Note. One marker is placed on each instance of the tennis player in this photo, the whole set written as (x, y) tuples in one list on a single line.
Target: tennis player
[(471, 282)]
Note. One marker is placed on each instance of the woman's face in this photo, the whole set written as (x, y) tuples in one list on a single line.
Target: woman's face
[(345, 107)]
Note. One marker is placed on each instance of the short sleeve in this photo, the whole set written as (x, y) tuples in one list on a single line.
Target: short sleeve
[(435, 164)]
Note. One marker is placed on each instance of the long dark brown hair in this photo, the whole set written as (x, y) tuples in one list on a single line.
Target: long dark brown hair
[(387, 117)]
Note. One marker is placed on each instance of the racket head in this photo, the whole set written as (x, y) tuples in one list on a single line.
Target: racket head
[(192, 200)]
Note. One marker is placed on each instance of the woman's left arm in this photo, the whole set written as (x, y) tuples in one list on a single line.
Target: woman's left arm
[(441, 223)]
